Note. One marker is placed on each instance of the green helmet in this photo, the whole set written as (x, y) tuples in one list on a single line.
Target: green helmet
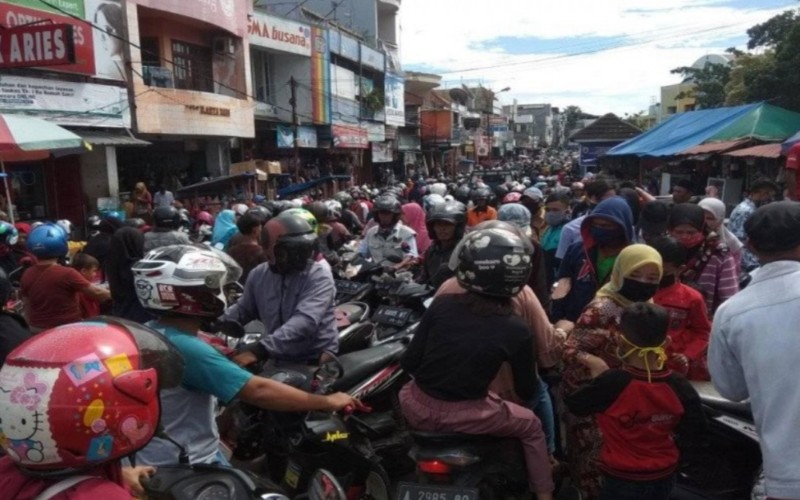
[(305, 214)]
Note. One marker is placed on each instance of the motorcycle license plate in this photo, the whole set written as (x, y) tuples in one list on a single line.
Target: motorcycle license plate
[(412, 491), (292, 474)]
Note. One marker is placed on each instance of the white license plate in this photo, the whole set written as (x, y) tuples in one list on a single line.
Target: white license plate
[(413, 491)]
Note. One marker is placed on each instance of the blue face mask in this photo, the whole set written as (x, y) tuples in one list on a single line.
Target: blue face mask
[(606, 236)]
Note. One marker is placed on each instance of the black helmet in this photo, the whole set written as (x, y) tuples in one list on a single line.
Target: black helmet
[(493, 262), (289, 242), (479, 193), (453, 212), (501, 191), (135, 222), (166, 218), (263, 213), (344, 198), (319, 210), (462, 193), (387, 203)]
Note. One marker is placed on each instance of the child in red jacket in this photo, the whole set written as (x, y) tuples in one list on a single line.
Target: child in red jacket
[(689, 327), (88, 266)]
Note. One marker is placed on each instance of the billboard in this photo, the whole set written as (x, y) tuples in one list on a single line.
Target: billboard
[(37, 45), (280, 34), (394, 100)]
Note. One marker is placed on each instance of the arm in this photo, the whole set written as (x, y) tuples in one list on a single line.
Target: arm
[(97, 293), (412, 251), (271, 395), (412, 358), (727, 279), (317, 296), (590, 336), (245, 309), (693, 427), (548, 341), (698, 329), (727, 373), (598, 394)]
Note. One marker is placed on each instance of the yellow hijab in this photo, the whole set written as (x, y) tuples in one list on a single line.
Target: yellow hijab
[(629, 260)]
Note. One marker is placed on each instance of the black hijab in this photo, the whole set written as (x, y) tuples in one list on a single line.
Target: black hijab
[(687, 213), (127, 247)]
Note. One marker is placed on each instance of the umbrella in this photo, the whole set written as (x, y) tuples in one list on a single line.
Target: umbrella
[(791, 141), (24, 138)]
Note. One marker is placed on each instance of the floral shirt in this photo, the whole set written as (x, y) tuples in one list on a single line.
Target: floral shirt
[(739, 216)]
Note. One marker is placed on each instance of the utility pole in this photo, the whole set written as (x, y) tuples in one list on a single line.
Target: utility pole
[(295, 143)]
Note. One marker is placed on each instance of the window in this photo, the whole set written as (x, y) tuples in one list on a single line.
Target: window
[(262, 83), (671, 110), (192, 67), (150, 51)]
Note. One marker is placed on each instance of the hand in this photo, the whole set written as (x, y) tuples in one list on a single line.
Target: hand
[(340, 400), (565, 325), (245, 358), (595, 364), (132, 476)]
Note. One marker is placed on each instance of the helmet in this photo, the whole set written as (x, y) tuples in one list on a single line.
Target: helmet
[(135, 223), (493, 262), (453, 212), (185, 279), (481, 193), (8, 234), (240, 208), (462, 193), (512, 197), (296, 203), (344, 198), (48, 241), (93, 222), (65, 225), (501, 191), (289, 241), (263, 213), (166, 218), (431, 200), (438, 188), (204, 218), (334, 210), (307, 215), (83, 394), (387, 203)]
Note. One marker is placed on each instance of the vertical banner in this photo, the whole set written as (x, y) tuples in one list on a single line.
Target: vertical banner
[(320, 77)]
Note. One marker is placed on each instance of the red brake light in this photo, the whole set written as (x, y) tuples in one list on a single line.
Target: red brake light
[(434, 467)]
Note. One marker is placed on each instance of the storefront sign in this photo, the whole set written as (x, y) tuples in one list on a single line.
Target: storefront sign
[(226, 14), (376, 132), (209, 110), (306, 136), (382, 152), (348, 48), (372, 58), (590, 152), (349, 136), (37, 45), (73, 7), (394, 100), (280, 34), (65, 103)]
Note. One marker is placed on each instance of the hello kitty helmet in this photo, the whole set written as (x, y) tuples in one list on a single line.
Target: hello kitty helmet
[(80, 395), (493, 262)]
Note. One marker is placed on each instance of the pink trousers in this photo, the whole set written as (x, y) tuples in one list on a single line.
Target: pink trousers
[(489, 416)]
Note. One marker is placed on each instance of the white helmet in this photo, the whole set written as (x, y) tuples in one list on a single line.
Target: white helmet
[(431, 200), (66, 225), (185, 279), (297, 202), (334, 209), (438, 188), (240, 208)]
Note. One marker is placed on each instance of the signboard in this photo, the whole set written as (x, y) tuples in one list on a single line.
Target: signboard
[(394, 100), (280, 34), (372, 58), (285, 136), (306, 136), (382, 152), (320, 77), (376, 132), (65, 103), (68, 7), (226, 14), (348, 47), (37, 45), (591, 151), (349, 136)]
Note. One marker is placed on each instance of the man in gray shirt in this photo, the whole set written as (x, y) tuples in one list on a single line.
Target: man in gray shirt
[(165, 232)]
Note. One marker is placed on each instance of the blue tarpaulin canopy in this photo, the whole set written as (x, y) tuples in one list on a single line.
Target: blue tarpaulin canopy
[(681, 132), (791, 141), (299, 188)]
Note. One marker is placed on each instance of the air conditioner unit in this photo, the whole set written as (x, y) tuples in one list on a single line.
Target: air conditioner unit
[(224, 45)]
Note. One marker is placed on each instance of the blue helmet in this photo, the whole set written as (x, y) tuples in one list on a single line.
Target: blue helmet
[(48, 241)]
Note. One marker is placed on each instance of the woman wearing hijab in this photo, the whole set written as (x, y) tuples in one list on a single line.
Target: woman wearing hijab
[(715, 221), (142, 202), (127, 247), (414, 217), (634, 278), (224, 229), (711, 267)]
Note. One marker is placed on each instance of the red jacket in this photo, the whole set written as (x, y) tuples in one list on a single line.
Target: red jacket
[(689, 327)]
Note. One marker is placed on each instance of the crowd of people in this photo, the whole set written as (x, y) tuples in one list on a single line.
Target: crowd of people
[(621, 297)]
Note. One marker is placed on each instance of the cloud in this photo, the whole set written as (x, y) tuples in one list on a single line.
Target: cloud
[(603, 56)]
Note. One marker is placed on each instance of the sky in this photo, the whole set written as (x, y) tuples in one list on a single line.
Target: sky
[(604, 56)]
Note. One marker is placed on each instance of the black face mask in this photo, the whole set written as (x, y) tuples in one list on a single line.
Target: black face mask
[(637, 291), (668, 281)]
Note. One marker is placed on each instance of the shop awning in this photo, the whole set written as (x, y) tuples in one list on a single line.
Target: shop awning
[(760, 151), (104, 138), (299, 188), (714, 147), (214, 186)]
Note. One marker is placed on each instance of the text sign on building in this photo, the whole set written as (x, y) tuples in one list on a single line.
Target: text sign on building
[(37, 45), (279, 34)]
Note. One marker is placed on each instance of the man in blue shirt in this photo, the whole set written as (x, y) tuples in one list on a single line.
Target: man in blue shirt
[(761, 193), (183, 285)]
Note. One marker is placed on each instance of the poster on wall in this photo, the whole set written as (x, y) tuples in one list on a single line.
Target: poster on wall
[(306, 136), (109, 51), (394, 100), (285, 136), (66, 103), (382, 152)]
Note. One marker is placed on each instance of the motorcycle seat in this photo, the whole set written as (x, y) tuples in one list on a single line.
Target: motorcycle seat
[(358, 365), (738, 410), (449, 438), (349, 313)]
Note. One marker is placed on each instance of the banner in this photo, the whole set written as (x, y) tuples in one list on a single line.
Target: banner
[(591, 151), (382, 152), (376, 132), (66, 103), (306, 136), (37, 45), (61, 7), (280, 34), (347, 136), (320, 76), (285, 136), (394, 100)]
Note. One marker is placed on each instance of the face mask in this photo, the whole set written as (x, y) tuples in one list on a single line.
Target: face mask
[(554, 218), (637, 291), (605, 236), (692, 241), (667, 281), (643, 352)]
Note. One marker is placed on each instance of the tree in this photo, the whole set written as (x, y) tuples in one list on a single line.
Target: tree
[(752, 79), (709, 83), (639, 120), (572, 114)]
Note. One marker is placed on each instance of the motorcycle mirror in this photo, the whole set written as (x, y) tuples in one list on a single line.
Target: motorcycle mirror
[(330, 370), (231, 329), (324, 486), (427, 302)]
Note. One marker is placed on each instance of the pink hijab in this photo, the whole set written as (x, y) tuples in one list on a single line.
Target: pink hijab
[(414, 217)]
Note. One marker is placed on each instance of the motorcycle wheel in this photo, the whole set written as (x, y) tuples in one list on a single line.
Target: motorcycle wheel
[(376, 484)]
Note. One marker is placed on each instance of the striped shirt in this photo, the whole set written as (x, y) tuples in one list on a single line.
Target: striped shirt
[(719, 281)]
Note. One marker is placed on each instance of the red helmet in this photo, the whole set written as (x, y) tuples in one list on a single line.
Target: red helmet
[(83, 394), (512, 197), (205, 218)]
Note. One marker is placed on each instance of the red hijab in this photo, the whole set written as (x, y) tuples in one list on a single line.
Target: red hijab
[(414, 217)]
